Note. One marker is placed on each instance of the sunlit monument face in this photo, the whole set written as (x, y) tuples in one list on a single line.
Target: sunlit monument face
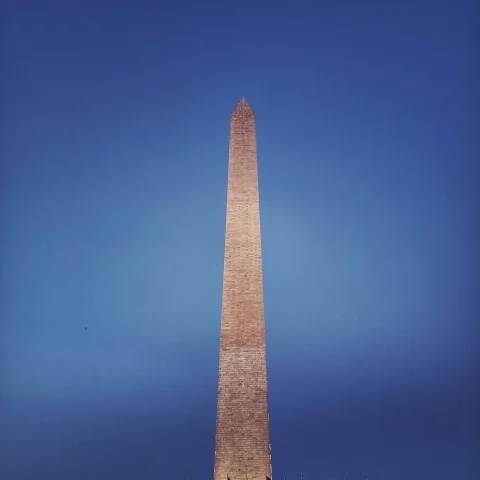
[(242, 447)]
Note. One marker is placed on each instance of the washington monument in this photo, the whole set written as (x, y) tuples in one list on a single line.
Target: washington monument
[(242, 443)]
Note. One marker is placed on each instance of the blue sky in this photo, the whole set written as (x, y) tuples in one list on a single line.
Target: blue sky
[(114, 141)]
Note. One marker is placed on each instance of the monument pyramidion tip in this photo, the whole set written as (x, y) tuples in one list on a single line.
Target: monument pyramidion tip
[(242, 107)]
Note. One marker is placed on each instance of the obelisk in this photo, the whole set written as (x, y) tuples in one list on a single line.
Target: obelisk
[(242, 444)]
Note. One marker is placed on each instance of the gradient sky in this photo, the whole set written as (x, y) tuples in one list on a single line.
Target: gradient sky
[(114, 156)]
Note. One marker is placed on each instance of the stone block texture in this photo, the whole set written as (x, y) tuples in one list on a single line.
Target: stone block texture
[(242, 444)]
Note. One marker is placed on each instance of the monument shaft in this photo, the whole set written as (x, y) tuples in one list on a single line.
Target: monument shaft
[(242, 445)]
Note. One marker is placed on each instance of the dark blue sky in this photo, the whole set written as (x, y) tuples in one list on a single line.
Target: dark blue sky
[(114, 156)]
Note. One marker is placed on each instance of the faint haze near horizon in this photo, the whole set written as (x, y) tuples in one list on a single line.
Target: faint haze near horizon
[(114, 141)]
